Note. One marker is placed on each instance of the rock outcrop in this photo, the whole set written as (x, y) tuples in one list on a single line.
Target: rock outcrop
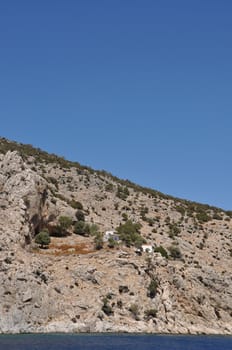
[(72, 287)]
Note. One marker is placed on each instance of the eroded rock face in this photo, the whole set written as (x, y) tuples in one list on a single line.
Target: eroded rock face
[(42, 291), (23, 197)]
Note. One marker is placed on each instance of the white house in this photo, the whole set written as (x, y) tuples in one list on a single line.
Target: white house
[(147, 248), (110, 234)]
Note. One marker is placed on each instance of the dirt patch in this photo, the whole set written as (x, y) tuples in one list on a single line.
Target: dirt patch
[(67, 246)]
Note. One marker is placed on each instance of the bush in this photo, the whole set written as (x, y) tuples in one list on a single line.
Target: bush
[(202, 216), (112, 243), (65, 222), (76, 205), (123, 289), (124, 217), (216, 216), (109, 187), (175, 252), (152, 288), (162, 251), (82, 228), (129, 233), (151, 313), (134, 309), (94, 229), (122, 192), (174, 230), (98, 241), (80, 215), (43, 239), (106, 308), (180, 209)]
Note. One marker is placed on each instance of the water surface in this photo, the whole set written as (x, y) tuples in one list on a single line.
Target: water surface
[(113, 342)]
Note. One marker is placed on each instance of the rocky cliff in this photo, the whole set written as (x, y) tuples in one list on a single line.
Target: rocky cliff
[(184, 286)]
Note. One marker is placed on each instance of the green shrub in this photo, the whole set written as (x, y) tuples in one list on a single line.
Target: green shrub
[(80, 215), (180, 209), (109, 187), (106, 308), (134, 309), (98, 241), (122, 192), (124, 217), (162, 251), (174, 230), (76, 205), (43, 239), (94, 229), (65, 222), (112, 243), (202, 216), (175, 252), (81, 228), (150, 313), (152, 288), (129, 233)]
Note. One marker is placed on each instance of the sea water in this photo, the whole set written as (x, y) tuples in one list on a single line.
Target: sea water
[(113, 342)]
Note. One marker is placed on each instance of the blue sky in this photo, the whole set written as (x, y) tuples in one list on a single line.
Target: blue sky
[(140, 88)]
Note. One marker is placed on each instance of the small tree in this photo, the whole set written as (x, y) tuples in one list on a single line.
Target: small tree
[(98, 241), (152, 288), (175, 252), (43, 239)]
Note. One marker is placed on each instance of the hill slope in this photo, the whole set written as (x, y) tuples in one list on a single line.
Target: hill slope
[(184, 286)]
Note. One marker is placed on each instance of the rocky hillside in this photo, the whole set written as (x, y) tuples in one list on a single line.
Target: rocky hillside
[(78, 283)]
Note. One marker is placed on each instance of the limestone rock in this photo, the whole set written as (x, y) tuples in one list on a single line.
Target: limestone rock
[(71, 287)]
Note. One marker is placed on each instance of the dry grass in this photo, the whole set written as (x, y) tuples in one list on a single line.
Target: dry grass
[(67, 246)]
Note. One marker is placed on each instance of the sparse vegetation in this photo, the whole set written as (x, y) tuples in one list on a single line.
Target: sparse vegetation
[(106, 308), (150, 313), (134, 309), (129, 233), (174, 230), (122, 192), (202, 216), (43, 157)]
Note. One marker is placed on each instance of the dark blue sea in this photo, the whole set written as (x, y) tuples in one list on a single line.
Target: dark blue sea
[(113, 342)]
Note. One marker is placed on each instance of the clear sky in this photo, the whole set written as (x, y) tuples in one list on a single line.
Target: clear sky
[(140, 88)]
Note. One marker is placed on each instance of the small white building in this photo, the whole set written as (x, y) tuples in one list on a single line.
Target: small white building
[(147, 248), (110, 234)]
